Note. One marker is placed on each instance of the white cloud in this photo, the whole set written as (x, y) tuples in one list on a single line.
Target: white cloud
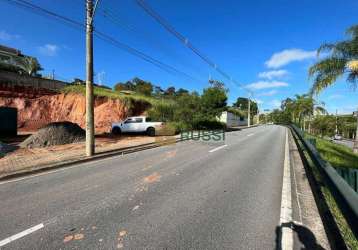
[(266, 85), (273, 74), (258, 101), (275, 104), (49, 49), (287, 56), (335, 97), (5, 36), (268, 93)]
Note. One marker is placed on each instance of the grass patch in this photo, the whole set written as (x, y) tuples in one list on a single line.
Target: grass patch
[(81, 89), (337, 155)]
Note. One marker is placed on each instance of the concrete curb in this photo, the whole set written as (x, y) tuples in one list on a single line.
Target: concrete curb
[(84, 159)]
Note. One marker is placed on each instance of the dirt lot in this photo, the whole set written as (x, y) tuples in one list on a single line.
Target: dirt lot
[(24, 158)]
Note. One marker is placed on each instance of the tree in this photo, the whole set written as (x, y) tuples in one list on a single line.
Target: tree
[(341, 61), (181, 92), (213, 102), (138, 85), (30, 65), (158, 91), (143, 87), (279, 117), (124, 86), (170, 91), (217, 84), (243, 104)]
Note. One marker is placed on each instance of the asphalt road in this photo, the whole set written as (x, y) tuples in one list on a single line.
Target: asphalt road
[(346, 143), (189, 195)]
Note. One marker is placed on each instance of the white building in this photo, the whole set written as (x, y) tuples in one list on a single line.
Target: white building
[(232, 120)]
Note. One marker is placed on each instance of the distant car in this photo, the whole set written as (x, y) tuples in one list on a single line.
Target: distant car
[(337, 137), (136, 124)]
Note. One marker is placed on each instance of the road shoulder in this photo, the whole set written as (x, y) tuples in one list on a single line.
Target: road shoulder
[(309, 232)]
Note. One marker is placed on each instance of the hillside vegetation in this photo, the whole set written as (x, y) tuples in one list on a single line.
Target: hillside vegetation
[(180, 108)]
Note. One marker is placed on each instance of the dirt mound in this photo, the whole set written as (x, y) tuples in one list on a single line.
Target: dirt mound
[(36, 113), (57, 133)]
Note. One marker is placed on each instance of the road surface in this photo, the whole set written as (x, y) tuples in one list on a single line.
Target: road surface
[(346, 143), (189, 195)]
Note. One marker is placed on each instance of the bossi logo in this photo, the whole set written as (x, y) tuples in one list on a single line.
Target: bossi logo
[(206, 136), (197, 135)]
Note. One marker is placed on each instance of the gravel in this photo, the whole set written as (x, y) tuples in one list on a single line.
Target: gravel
[(56, 133)]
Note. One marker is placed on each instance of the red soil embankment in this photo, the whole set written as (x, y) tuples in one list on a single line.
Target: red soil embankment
[(37, 112)]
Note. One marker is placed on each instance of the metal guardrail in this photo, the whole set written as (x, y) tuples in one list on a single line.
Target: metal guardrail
[(350, 175), (344, 189)]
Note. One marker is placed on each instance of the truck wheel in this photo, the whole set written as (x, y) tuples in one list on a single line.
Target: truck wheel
[(151, 131), (116, 131)]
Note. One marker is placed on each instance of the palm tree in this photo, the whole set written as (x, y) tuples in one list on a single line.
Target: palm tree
[(341, 61), (30, 65)]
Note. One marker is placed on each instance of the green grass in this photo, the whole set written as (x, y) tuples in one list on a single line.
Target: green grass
[(80, 89), (337, 155)]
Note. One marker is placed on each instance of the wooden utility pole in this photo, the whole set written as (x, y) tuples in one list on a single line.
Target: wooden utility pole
[(89, 80)]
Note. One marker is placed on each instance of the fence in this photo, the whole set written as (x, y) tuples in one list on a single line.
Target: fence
[(10, 79)]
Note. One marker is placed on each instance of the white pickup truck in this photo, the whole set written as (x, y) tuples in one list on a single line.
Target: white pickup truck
[(136, 124)]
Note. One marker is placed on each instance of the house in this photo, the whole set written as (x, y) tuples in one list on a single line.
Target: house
[(11, 59), (232, 120)]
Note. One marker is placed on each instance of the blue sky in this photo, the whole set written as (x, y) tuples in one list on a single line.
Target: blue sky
[(266, 45)]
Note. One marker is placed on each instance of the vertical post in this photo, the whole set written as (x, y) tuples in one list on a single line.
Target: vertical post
[(336, 132), (355, 145), (89, 80), (249, 113)]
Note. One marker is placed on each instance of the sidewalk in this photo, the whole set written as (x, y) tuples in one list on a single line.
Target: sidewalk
[(308, 227)]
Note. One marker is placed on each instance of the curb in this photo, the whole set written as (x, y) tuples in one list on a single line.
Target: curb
[(84, 159)]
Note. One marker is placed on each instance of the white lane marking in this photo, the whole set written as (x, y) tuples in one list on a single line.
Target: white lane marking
[(286, 203), (250, 134), (218, 148), (21, 234)]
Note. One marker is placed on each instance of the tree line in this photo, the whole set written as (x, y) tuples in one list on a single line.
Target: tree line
[(187, 110), (341, 60)]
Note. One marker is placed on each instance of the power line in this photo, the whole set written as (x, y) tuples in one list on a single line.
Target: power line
[(75, 24), (186, 42), (115, 19)]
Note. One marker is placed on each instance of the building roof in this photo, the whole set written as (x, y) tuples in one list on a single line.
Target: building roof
[(10, 50)]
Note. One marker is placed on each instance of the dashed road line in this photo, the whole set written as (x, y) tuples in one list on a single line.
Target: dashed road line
[(21, 234), (218, 148)]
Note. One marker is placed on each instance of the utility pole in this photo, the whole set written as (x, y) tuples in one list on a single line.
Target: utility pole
[(249, 112), (336, 132), (89, 80), (355, 145)]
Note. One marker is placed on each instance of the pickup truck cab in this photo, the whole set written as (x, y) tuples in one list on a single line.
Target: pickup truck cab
[(136, 124)]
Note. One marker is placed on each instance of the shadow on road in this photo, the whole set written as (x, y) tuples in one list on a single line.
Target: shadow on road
[(306, 238)]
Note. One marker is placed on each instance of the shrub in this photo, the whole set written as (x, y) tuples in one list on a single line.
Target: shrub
[(208, 123)]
